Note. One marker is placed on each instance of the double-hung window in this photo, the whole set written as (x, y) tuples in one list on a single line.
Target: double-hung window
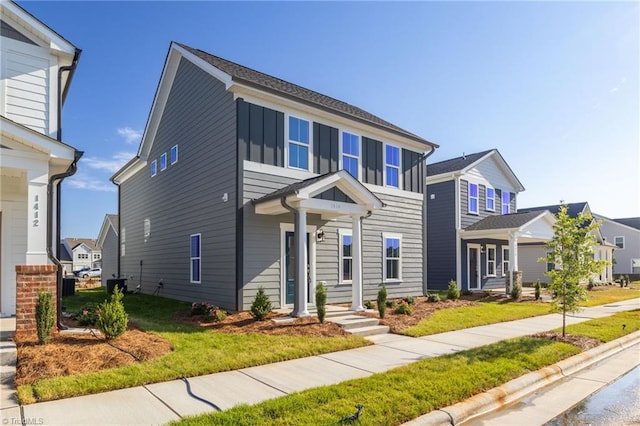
[(392, 264), (491, 261), (298, 143), (619, 242), (154, 168), (505, 261), (174, 154), (550, 265), (491, 199), (350, 153), (196, 259), (346, 256), (506, 202), (163, 162), (392, 166), (473, 198)]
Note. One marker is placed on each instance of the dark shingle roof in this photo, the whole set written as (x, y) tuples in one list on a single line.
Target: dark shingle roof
[(75, 242), (572, 208), (280, 87), (633, 222), (64, 255), (455, 164), (507, 221)]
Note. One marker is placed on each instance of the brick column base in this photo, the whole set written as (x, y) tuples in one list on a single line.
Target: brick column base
[(31, 279)]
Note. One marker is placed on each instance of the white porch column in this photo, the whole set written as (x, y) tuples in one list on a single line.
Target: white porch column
[(356, 283), (37, 217), (513, 257), (301, 289)]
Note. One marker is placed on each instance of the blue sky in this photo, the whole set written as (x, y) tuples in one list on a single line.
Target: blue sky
[(553, 86)]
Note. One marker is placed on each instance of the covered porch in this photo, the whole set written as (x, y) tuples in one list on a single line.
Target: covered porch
[(332, 196)]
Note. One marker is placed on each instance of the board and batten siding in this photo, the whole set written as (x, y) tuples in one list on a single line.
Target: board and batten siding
[(187, 197), (262, 240), (441, 234)]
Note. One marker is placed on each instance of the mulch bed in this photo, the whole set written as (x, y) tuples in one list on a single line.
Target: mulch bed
[(583, 342)]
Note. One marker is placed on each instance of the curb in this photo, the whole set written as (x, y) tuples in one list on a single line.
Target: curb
[(516, 389)]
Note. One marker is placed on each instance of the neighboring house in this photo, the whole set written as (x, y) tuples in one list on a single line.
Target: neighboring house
[(529, 254), (625, 235), (84, 253), (36, 68), (66, 259), (473, 230), (107, 242), (243, 180)]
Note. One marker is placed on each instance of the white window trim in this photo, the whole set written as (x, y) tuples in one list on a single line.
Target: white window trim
[(191, 258), (171, 151), (384, 163), (358, 157), (469, 197), (623, 242), (486, 196), (163, 162), (342, 233), (502, 202), (494, 261), (508, 262), (312, 231), (288, 141), (386, 235), (154, 168)]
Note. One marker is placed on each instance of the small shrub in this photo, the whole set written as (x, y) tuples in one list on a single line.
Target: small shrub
[(112, 317), (200, 308), (45, 317), (261, 305), (403, 309), (88, 314), (390, 303), (452, 290), (382, 301), (516, 291), (410, 300), (321, 302), (215, 314), (536, 289), (433, 297), (369, 304)]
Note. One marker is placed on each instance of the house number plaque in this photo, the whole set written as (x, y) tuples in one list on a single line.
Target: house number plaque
[(36, 221)]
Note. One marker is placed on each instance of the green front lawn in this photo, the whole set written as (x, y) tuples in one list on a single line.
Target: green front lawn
[(408, 392), (196, 350), (611, 294)]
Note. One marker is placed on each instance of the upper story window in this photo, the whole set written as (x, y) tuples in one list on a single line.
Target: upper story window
[(96, 256), (506, 202), (346, 256), (174, 154), (392, 166), (195, 257), (154, 168), (491, 199), (619, 241), (350, 153), (298, 143), (392, 262), (473, 198), (163, 162)]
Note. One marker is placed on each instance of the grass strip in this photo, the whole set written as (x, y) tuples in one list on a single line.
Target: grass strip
[(408, 392), (611, 295)]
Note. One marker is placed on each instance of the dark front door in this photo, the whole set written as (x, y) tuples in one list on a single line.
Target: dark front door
[(473, 268), (290, 266)]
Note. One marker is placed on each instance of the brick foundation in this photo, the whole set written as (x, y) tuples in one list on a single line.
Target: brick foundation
[(31, 279)]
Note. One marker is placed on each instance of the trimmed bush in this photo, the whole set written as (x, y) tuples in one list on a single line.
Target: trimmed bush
[(382, 301), (88, 314), (45, 317), (321, 302), (536, 288), (112, 318), (433, 297), (403, 309), (516, 291), (215, 314), (452, 290), (261, 305)]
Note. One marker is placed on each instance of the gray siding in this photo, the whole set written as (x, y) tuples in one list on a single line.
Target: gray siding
[(109, 256), (186, 198), (262, 240), (468, 219), (441, 235), (8, 31)]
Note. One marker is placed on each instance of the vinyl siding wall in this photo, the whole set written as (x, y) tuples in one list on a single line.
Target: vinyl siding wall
[(486, 282), (631, 250), (532, 270), (109, 256), (187, 197)]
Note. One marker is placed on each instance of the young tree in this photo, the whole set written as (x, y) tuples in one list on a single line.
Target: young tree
[(571, 249)]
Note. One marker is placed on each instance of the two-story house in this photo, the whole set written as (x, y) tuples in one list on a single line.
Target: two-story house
[(243, 180), (473, 228), (85, 253), (36, 68), (624, 233)]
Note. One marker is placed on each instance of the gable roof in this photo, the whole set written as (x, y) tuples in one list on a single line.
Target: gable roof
[(63, 254), (111, 223), (633, 222), (506, 221), (573, 209), (72, 243), (266, 82)]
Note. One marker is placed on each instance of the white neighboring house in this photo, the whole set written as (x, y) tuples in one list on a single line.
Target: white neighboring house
[(85, 253), (36, 68), (107, 242), (625, 234)]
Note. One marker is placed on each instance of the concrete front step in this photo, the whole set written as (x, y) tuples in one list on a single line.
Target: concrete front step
[(7, 353), (371, 330), (349, 322)]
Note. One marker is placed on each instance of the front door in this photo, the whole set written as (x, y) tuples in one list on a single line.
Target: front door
[(474, 272), (290, 267)]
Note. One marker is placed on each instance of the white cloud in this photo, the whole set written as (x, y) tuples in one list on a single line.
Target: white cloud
[(130, 135), (112, 164), (85, 182)]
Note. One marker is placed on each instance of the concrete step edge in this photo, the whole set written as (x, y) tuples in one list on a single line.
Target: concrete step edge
[(369, 330)]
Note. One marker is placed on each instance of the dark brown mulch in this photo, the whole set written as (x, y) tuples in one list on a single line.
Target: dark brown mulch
[(583, 342)]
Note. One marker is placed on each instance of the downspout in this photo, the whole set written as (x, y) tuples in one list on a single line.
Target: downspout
[(57, 180), (423, 159)]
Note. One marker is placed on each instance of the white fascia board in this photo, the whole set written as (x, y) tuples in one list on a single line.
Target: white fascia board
[(503, 166), (35, 140), (128, 170), (613, 222), (205, 66), (279, 102), (104, 230), (442, 177)]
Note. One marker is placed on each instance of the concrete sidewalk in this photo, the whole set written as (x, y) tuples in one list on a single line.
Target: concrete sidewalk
[(163, 402)]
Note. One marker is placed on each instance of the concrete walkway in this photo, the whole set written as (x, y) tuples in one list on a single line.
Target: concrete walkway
[(163, 402)]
